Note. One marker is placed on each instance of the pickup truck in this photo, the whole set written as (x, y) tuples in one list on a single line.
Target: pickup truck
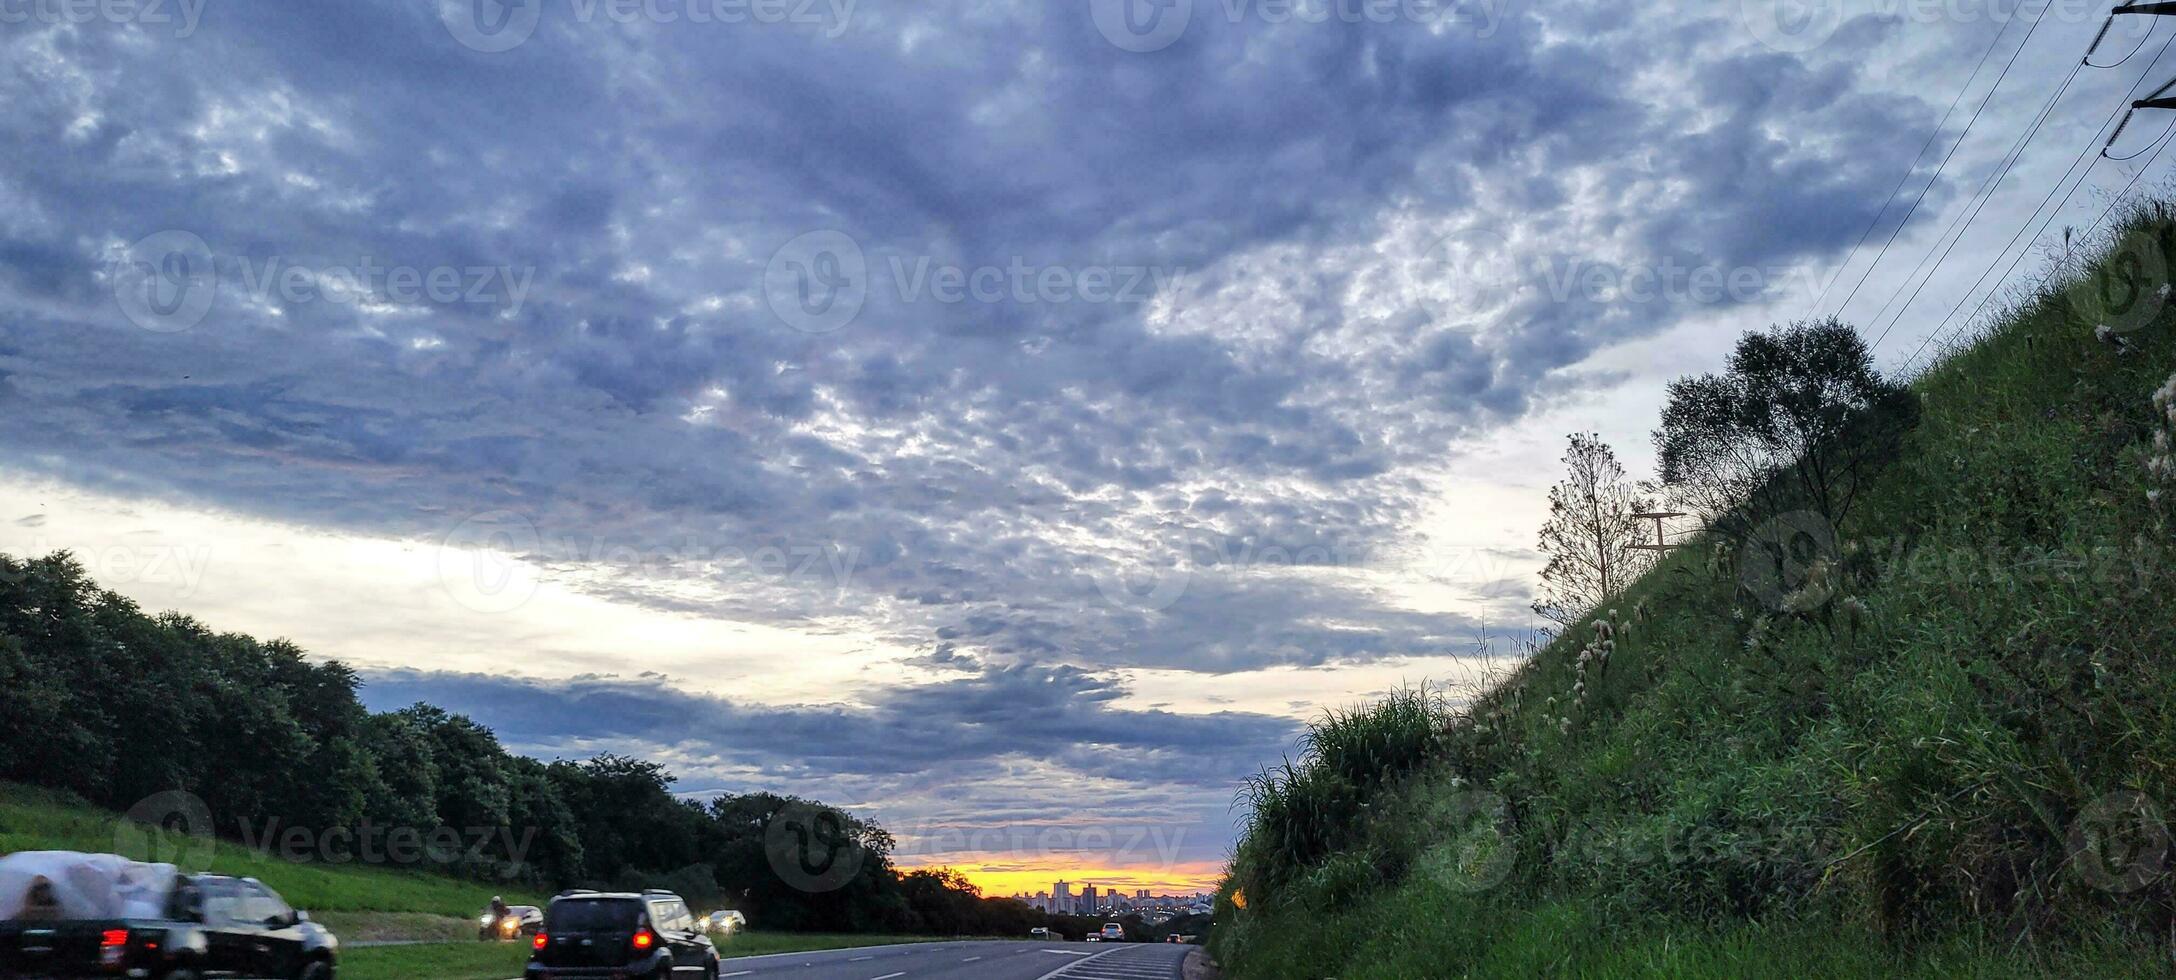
[(213, 926)]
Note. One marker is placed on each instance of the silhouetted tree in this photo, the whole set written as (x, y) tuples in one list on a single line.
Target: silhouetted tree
[(1799, 420), (1590, 534)]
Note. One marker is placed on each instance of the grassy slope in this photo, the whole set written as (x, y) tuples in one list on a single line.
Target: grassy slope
[(1857, 791), (36, 819), (360, 903)]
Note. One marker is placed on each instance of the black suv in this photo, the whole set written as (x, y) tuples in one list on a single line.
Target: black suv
[(621, 934), (213, 926)]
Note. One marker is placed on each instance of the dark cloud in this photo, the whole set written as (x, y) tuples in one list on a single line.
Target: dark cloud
[(1027, 487), (924, 750)]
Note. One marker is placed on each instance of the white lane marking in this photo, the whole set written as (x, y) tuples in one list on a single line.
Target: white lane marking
[(1075, 952), (889, 976), (971, 959), (735, 973), (1091, 958), (857, 959)]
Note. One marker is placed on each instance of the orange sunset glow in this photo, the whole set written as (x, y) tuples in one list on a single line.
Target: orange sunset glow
[(1003, 879)]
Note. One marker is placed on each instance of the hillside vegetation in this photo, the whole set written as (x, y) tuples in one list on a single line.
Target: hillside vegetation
[(271, 751), (40, 819), (1940, 746)]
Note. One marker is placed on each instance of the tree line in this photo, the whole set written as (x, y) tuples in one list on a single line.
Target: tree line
[(118, 706)]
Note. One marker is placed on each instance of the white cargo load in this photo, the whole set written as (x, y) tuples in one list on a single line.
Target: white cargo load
[(86, 886)]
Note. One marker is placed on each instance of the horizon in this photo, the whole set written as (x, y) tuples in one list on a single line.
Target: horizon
[(1006, 426)]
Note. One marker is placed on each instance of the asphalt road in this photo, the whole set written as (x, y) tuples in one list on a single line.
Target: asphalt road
[(970, 961)]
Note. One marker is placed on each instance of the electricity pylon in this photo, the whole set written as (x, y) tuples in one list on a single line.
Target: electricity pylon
[(2158, 98)]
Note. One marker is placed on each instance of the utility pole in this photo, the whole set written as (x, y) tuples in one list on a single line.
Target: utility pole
[(2159, 98), (1661, 543)]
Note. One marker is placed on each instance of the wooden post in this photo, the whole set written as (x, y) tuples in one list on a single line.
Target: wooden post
[(1661, 543)]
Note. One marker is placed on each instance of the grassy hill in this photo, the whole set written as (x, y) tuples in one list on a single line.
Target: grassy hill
[(1945, 751), (359, 903), (40, 819)]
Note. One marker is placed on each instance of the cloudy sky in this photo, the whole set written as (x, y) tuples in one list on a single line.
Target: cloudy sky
[(1011, 420)]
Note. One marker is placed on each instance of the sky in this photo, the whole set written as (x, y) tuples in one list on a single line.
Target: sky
[(1011, 421)]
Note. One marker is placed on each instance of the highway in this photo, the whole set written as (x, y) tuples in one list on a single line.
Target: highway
[(970, 960)]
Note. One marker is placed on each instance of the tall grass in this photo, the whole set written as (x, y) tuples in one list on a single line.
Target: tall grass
[(1958, 755), (1298, 812)]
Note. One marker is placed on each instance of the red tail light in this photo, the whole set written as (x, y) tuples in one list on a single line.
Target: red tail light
[(644, 939), (113, 937), (538, 942)]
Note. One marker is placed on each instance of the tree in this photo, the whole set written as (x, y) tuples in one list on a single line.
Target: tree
[(100, 699), (1590, 534), (1799, 420)]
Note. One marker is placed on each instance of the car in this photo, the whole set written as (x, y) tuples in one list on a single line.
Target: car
[(1113, 932), (725, 921), (176, 927), (1039, 932), (649, 934)]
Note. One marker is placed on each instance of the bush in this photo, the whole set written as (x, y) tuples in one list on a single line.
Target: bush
[(1946, 752)]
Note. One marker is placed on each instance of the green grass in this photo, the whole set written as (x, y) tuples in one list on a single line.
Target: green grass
[(38, 819), (1423, 930), (497, 961), (439, 961), (1897, 779), (353, 927)]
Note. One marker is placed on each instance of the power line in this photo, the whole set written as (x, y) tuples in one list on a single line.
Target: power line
[(2160, 145), (2083, 154), (1931, 181), (1914, 165), (2118, 64), (2155, 99), (1986, 193)]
